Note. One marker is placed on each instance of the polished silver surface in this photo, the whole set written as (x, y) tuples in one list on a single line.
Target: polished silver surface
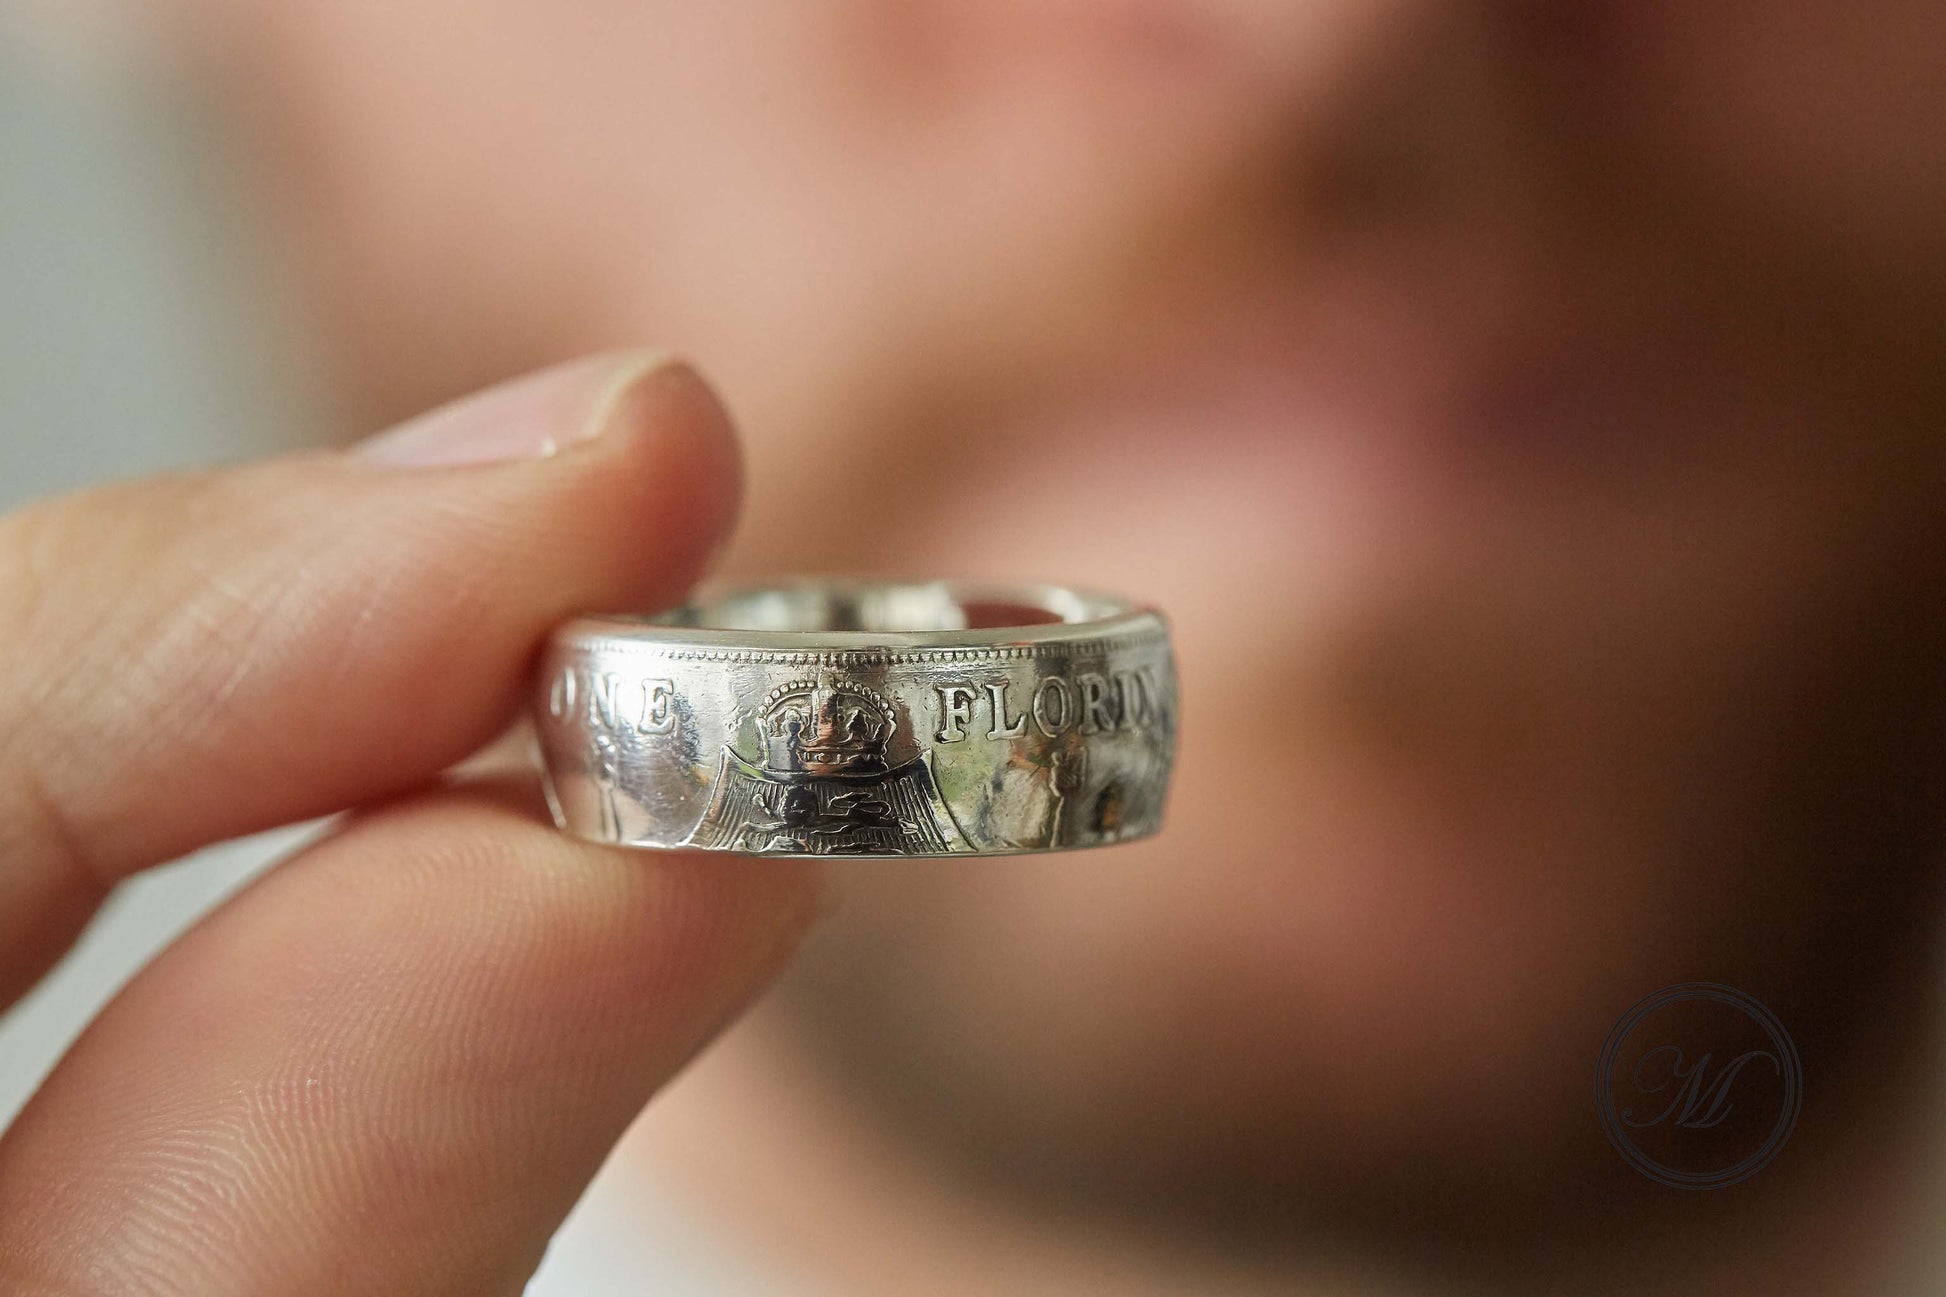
[(831, 717)]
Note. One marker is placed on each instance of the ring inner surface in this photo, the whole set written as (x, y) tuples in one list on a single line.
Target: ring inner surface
[(891, 607)]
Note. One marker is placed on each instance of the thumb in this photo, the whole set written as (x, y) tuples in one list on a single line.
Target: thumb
[(190, 658)]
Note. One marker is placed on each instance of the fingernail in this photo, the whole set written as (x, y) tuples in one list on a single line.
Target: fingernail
[(529, 418)]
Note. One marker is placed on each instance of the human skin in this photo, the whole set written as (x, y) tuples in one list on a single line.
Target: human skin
[(392, 1064), (1527, 413)]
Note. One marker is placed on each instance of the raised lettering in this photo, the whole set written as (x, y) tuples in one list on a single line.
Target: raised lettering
[(955, 711), (1137, 696), (602, 709), (658, 707), (1052, 718), (561, 694), (613, 702), (1095, 714), (1003, 728)]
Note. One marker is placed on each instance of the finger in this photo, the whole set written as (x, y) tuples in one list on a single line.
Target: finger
[(187, 659), (388, 1067)]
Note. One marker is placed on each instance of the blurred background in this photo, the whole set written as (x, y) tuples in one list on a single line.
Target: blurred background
[(1529, 413)]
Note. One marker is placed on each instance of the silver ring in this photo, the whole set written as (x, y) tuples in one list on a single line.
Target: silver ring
[(849, 717)]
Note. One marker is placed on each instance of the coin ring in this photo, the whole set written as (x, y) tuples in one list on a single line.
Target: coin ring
[(821, 717)]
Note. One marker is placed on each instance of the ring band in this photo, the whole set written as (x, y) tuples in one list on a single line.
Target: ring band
[(849, 717)]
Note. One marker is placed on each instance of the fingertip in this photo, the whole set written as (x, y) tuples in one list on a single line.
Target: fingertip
[(673, 438), (385, 613)]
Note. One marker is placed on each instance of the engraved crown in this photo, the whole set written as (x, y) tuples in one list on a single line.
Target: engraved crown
[(824, 729)]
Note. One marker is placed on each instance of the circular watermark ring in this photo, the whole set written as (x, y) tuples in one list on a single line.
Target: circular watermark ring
[(1615, 1120)]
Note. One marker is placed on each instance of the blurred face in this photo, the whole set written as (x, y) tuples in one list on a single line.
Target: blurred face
[(1526, 412)]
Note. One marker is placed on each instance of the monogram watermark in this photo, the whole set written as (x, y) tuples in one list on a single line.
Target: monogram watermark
[(1699, 1086)]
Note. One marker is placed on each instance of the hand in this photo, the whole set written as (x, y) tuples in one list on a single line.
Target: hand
[(393, 1063)]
